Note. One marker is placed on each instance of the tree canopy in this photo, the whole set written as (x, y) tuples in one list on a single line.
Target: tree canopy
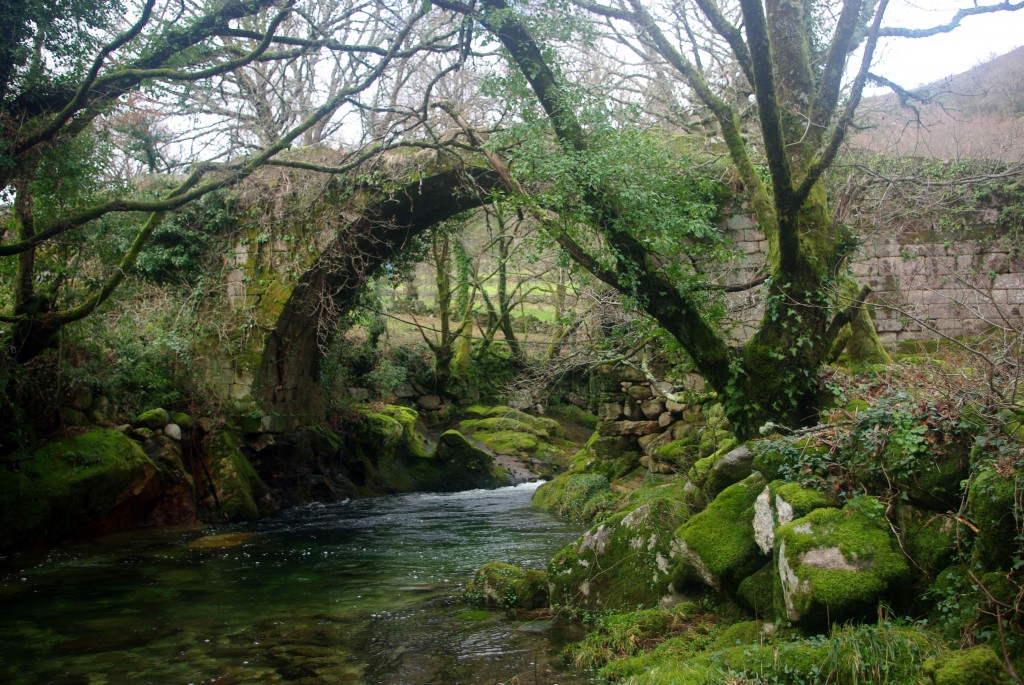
[(613, 125)]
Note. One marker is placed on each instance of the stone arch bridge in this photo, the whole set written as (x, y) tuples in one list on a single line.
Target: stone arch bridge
[(305, 245)]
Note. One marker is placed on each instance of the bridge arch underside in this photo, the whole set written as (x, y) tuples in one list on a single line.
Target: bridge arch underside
[(285, 383)]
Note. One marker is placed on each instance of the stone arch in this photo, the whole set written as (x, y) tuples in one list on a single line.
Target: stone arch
[(274, 368)]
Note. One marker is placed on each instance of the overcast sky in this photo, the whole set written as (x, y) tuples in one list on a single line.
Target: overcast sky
[(923, 60)]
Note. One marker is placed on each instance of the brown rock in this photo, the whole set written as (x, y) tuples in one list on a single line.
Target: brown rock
[(609, 411), (640, 392), (631, 410), (652, 409)]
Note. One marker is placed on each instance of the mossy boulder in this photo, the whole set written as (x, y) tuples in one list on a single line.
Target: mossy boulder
[(929, 538), (623, 563), (727, 468), (775, 457), (385, 454), (681, 454), (991, 502), (154, 419), (411, 445), (610, 456), (758, 590), (717, 546), (975, 666), (239, 494), (509, 587), (185, 421), (781, 502), (535, 441), (90, 482), (578, 497), (539, 424), (464, 466), (836, 564)]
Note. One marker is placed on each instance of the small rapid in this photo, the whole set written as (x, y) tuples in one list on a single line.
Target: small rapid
[(362, 591)]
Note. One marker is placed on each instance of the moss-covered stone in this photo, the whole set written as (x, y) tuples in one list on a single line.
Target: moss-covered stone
[(773, 456), (93, 481), (412, 443), (238, 491), (991, 502), (929, 538), (464, 466), (728, 467), (621, 564), (607, 456), (975, 666), (835, 564), (186, 422), (781, 502), (682, 454), (578, 497), (540, 424), (717, 546), (757, 591), (503, 585), (154, 419)]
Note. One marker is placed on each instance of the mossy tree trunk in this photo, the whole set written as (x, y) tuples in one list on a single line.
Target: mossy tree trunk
[(774, 375)]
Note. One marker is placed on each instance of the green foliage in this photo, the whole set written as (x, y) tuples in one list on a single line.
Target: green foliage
[(897, 445), (615, 636), (183, 246), (648, 178), (67, 30)]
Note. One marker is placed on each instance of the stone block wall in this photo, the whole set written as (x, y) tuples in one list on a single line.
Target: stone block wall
[(926, 283)]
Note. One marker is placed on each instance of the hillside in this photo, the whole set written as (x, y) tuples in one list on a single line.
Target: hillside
[(976, 114)]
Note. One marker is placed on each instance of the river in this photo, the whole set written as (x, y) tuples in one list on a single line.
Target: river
[(364, 591)]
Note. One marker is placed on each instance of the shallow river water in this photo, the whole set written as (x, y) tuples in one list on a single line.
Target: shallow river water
[(366, 591)]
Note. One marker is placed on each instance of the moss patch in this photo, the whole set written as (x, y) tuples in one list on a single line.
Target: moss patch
[(237, 486), (975, 666), (991, 502), (576, 497)]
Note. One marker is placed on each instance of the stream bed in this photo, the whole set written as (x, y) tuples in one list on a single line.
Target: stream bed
[(364, 591)]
